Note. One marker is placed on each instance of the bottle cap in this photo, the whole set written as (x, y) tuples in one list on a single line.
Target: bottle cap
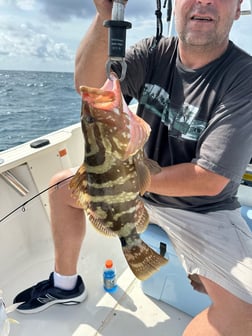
[(109, 263)]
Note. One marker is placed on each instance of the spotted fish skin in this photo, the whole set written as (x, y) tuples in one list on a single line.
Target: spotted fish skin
[(115, 172)]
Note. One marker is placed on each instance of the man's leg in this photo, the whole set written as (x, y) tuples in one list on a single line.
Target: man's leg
[(227, 316), (64, 286), (68, 225)]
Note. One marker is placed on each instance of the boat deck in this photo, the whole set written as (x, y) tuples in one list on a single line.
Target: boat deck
[(127, 311)]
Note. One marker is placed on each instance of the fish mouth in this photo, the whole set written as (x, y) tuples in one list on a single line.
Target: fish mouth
[(110, 83), (104, 98)]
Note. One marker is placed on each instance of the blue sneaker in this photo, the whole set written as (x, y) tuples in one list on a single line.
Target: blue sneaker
[(43, 295)]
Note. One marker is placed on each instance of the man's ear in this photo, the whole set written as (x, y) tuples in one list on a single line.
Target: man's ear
[(238, 10)]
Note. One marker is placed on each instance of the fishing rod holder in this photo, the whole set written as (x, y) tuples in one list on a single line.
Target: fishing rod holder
[(117, 44)]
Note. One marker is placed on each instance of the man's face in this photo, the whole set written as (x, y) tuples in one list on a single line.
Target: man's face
[(205, 23)]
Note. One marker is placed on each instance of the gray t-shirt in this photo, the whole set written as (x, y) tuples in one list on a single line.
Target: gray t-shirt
[(202, 116)]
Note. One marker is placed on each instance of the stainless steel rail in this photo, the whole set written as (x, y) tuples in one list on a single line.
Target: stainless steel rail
[(14, 182)]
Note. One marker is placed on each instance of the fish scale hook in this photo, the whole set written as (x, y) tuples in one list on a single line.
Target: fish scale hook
[(109, 67)]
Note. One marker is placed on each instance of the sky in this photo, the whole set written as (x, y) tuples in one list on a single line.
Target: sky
[(43, 35)]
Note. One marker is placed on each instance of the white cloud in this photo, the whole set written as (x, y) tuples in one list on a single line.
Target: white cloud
[(28, 40), (63, 10), (26, 4)]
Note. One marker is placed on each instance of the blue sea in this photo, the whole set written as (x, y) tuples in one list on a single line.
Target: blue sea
[(33, 104)]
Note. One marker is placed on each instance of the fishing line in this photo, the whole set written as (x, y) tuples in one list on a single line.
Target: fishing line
[(22, 206)]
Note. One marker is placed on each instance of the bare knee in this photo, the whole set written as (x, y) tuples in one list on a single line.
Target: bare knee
[(59, 191), (227, 316), (61, 178), (226, 300)]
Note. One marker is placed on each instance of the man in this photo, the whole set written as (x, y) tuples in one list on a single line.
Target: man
[(196, 94)]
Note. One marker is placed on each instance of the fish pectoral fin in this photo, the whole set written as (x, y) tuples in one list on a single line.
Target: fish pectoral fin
[(143, 176), (142, 260), (152, 165), (99, 225), (79, 180), (78, 186), (145, 167), (142, 216)]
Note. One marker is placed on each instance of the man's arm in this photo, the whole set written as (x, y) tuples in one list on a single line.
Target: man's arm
[(187, 179), (92, 53)]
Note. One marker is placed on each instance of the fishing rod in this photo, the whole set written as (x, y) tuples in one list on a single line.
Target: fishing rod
[(168, 5), (23, 205)]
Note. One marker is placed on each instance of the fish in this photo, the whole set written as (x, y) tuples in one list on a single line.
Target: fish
[(115, 173)]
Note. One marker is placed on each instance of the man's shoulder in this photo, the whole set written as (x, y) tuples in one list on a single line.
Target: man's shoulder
[(240, 55), (164, 43)]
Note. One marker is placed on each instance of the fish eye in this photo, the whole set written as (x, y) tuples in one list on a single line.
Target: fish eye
[(89, 119)]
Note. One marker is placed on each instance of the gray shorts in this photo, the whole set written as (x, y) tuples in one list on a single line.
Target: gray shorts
[(216, 245)]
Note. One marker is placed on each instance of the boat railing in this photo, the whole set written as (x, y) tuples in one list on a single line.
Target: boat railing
[(15, 183)]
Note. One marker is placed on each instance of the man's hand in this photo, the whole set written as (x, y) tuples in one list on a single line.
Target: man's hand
[(104, 8)]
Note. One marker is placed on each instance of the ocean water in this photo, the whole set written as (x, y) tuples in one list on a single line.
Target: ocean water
[(33, 104)]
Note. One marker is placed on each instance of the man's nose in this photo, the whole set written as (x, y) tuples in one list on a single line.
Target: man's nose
[(205, 2)]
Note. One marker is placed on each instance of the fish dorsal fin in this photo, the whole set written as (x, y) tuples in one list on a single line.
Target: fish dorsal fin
[(142, 216), (99, 225)]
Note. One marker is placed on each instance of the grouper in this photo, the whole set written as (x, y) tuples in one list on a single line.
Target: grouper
[(115, 173)]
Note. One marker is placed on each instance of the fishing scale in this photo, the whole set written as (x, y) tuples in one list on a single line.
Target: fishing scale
[(117, 37), (117, 33)]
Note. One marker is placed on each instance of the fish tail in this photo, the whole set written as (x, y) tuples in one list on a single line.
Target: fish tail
[(143, 260)]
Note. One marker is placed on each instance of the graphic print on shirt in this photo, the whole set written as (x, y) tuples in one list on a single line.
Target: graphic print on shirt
[(181, 120)]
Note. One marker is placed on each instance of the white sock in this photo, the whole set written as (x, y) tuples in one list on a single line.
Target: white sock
[(66, 282)]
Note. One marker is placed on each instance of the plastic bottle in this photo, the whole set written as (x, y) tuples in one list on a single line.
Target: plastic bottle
[(4, 322), (109, 277)]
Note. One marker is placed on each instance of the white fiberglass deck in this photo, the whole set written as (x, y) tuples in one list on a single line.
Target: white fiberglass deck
[(127, 312)]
